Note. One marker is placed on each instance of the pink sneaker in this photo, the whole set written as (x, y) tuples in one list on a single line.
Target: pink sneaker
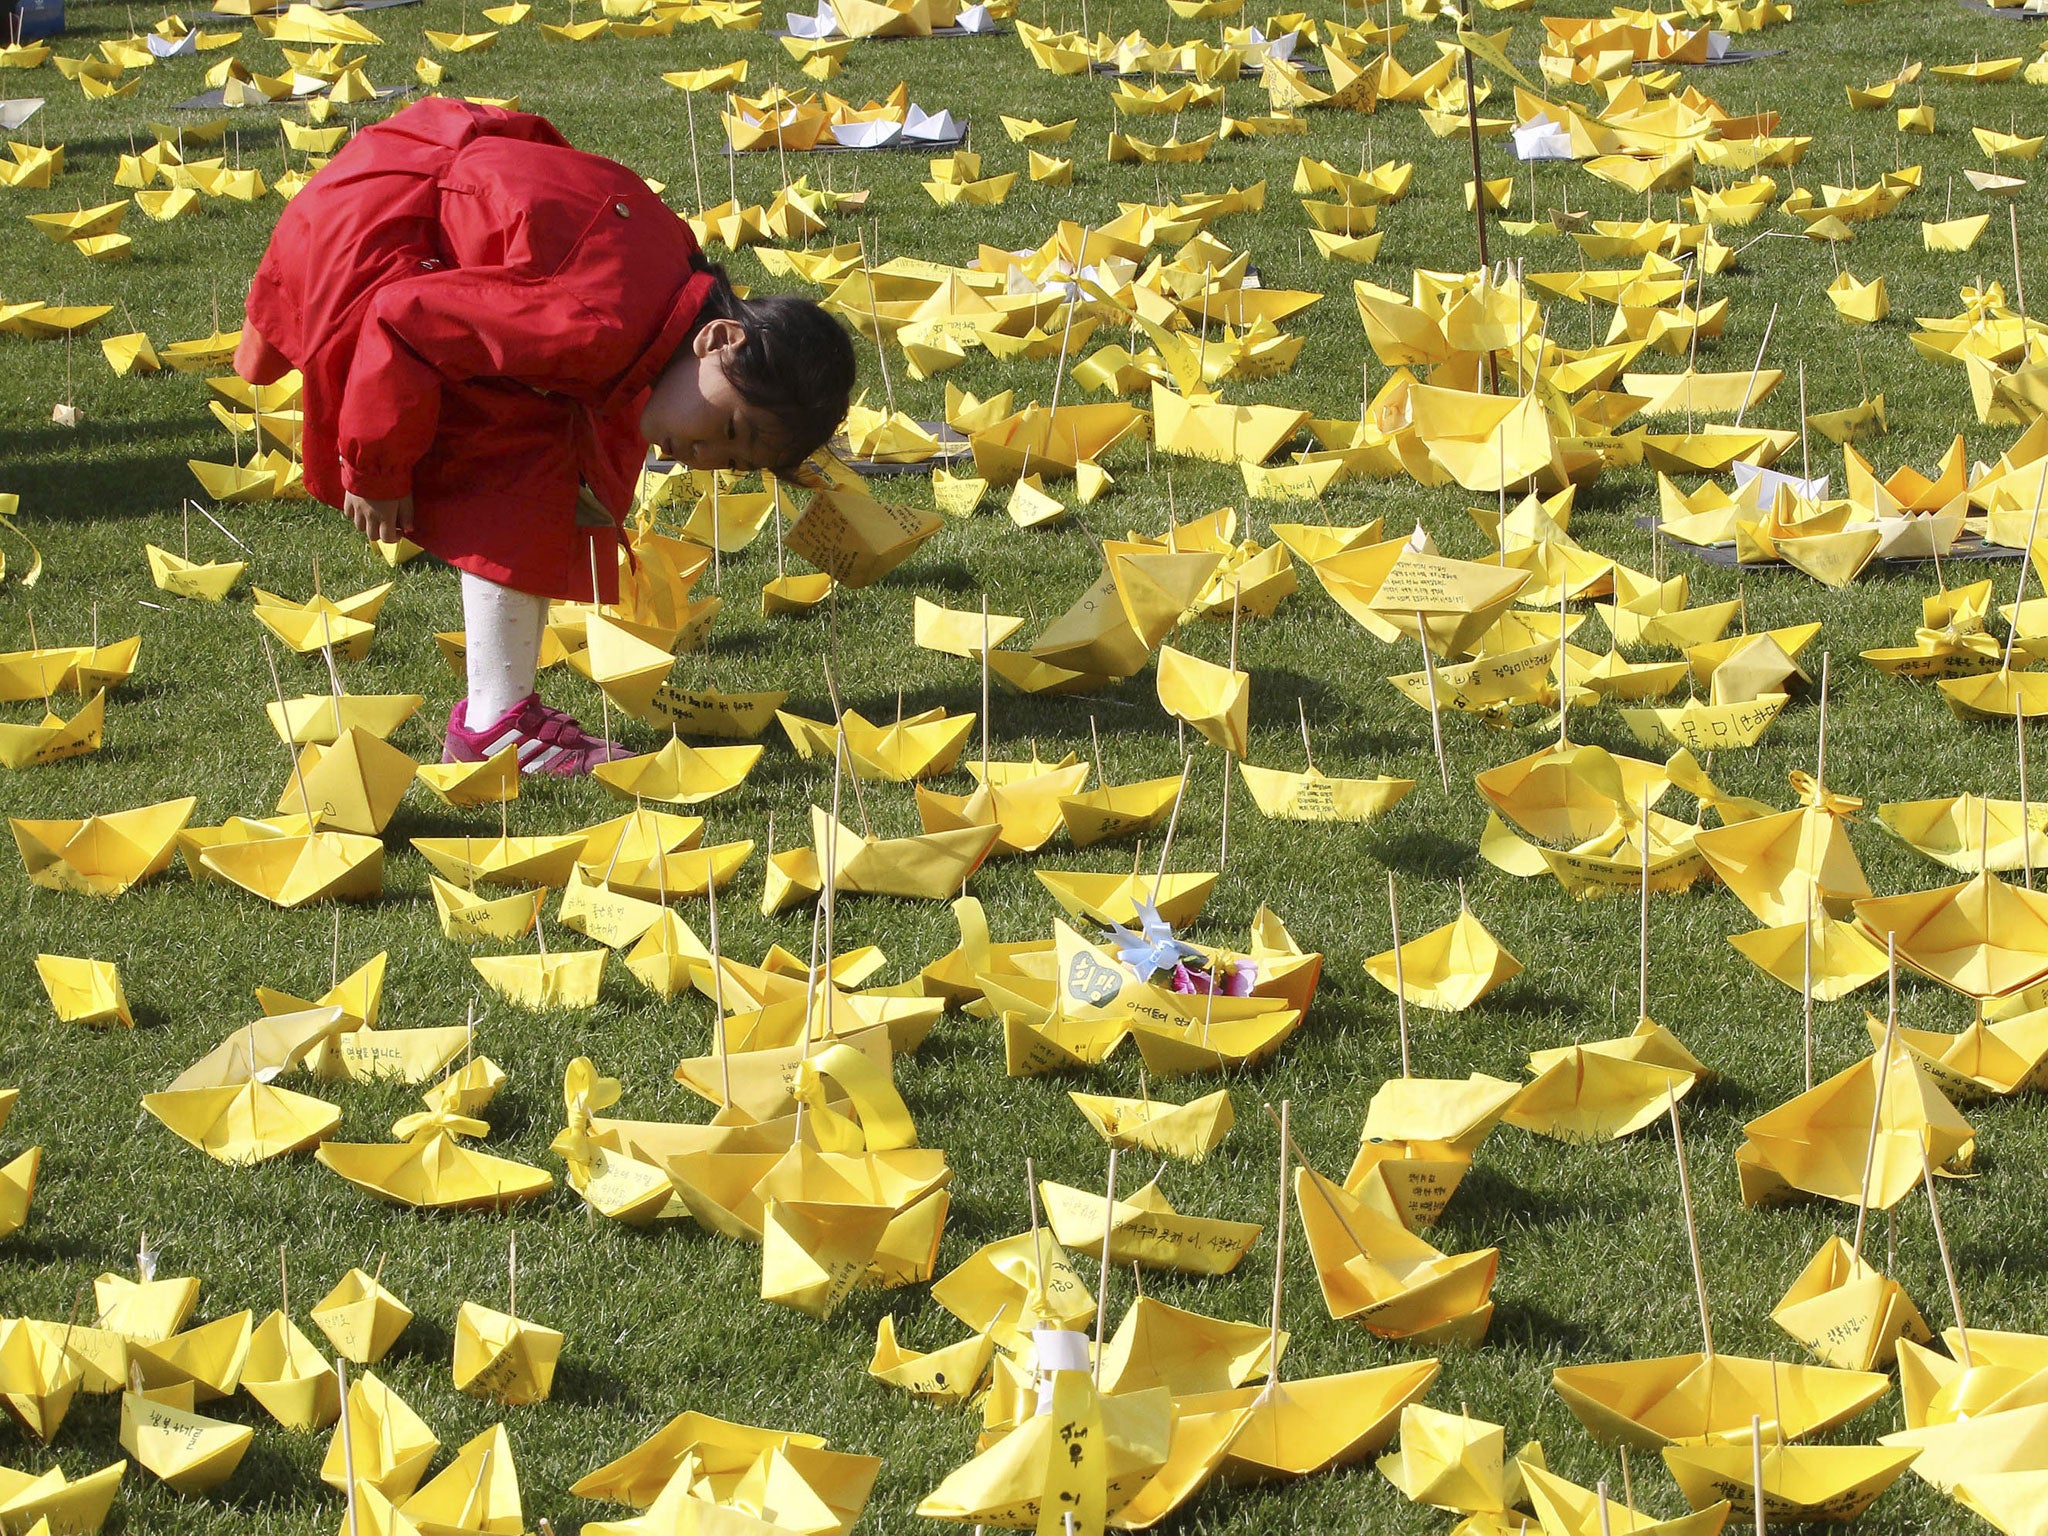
[(548, 740)]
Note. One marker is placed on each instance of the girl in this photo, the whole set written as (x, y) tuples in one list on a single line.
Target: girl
[(493, 326)]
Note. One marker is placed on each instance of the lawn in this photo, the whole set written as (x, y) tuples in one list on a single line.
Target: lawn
[(1593, 1250)]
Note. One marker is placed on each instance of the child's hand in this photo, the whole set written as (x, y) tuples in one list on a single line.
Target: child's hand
[(383, 521)]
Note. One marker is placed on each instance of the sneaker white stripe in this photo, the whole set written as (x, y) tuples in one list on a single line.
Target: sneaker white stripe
[(494, 748), (540, 763)]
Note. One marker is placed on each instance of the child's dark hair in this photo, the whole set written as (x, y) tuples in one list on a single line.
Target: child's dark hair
[(795, 363)]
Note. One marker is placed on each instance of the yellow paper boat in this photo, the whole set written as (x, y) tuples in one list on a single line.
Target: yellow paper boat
[(434, 1173), (1449, 969), (292, 871), (39, 1376), (1311, 796), (1449, 1460), (192, 1453), (101, 855), (1986, 1060), (946, 1376), (1566, 1509), (1190, 1131), (1607, 1089), (477, 1491), (248, 1123), (1709, 1399), (679, 774), (1800, 1482), (18, 1190), (1376, 1272), (504, 1358), (1119, 810), (361, 1319), (388, 1448), (84, 991), (1010, 1482), (49, 1502), (1848, 1311), (561, 979), (468, 917), (324, 717), (1820, 1142), (1179, 898), (493, 781), (1836, 960), (289, 1377), (1145, 1230), (353, 786), (510, 863), (186, 578), (1984, 938), (55, 739), (1316, 1423)]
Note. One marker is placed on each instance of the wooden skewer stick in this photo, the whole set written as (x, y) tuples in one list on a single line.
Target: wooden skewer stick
[(1882, 1064), (1750, 388), (1400, 981), (717, 987), (596, 602), (1643, 921), (1600, 1492), (839, 723), (2019, 598), (277, 685), (1436, 714), (1102, 1301), (1229, 757), (348, 1447), (1172, 822), (1948, 1267), (1279, 1260), (2019, 721), (1037, 1236), (984, 688), (1756, 1469), (1307, 751), (1692, 1231), (1806, 957)]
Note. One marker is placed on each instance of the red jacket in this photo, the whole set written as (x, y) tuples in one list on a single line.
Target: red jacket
[(479, 310)]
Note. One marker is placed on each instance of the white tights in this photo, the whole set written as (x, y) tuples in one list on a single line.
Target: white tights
[(503, 629)]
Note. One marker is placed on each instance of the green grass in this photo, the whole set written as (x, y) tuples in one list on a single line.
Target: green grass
[(1593, 1251)]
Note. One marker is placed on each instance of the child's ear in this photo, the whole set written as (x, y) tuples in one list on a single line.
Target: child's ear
[(717, 336)]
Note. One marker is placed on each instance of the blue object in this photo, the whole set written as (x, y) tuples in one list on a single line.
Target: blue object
[(40, 19), (1153, 948)]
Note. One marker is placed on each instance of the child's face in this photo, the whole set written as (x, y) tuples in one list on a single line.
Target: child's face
[(696, 417)]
